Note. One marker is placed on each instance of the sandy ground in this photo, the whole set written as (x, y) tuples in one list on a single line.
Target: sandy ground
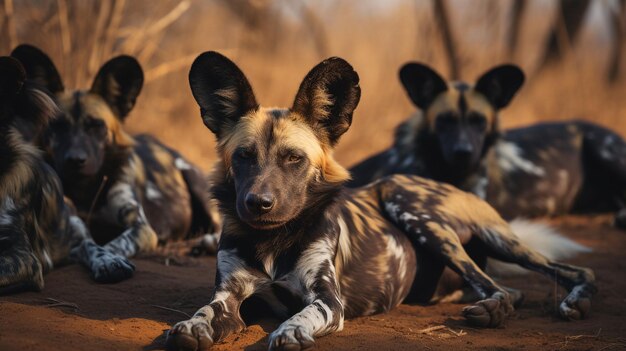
[(74, 313)]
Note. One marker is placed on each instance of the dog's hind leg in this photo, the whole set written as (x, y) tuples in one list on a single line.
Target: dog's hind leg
[(505, 246), (20, 269), (442, 240)]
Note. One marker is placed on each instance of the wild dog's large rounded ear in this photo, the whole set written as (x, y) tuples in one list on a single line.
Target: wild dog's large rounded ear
[(500, 84), (12, 77), (221, 90), (422, 83), (328, 96), (32, 108), (39, 67), (119, 82)]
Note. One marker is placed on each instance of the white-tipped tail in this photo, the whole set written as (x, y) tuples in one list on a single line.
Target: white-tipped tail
[(542, 238)]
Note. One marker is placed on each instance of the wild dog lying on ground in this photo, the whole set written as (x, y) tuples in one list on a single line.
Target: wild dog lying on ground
[(37, 228), (131, 191), (544, 169), (318, 252)]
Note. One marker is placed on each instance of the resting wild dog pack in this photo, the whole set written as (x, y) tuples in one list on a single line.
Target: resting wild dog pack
[(133, 192), (317, 252), (545, 169), (38, 229)]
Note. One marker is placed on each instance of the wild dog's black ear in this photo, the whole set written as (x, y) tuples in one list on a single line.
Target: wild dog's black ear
[(221, 90), (500, 84), (12, 77), (328, 96), (29, 108), (422, 83), (39, 67), (119, 82)]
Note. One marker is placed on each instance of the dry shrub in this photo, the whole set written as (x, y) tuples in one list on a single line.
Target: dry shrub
[(277, 42)]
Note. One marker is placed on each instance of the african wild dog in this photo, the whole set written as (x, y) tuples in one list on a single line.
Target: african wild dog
[(318, 252), (37, 228), (544, 169), (132, 191)]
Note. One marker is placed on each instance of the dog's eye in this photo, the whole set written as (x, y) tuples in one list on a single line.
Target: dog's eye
[(293, 158), (245, 153), (59, 125), (94, 123), (478, 121), (446, 120)]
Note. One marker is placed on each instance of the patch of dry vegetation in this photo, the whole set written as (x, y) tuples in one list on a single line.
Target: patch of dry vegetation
[(277, 42)]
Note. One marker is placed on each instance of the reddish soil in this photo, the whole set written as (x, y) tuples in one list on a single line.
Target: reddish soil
[(74, 313)]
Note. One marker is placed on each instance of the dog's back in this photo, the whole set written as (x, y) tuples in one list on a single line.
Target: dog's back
[(170, 179)]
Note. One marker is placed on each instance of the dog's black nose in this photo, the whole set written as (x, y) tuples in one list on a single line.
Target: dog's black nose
[(261, 203), (76, 158), (463, 150)]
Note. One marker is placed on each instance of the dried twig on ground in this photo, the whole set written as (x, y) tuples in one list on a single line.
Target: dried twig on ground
[(443, 332), (50, 302), (172, 310), (570, 338)]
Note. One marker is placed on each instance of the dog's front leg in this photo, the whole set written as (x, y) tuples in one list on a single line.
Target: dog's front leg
[(105, 266), (234, 283), (321, 317), (324, 311), (124, 206), (20, 268)]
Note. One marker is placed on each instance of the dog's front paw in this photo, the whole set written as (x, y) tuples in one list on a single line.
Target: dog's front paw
[(577, 305), (190, 335), (111, 268), (207, 245), (490, 312), (291, 339)]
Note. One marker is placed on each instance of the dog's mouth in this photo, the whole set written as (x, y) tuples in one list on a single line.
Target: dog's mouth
[(265, 224), (75, 173)]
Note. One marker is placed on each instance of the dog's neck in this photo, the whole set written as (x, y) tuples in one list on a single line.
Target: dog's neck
[(90, 191)]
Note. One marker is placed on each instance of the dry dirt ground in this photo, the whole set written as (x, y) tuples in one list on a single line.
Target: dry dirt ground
[(74, 313)]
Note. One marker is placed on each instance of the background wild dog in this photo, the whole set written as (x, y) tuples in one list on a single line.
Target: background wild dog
[(544, 169), (132, 191), (37, 227), (318, 252)]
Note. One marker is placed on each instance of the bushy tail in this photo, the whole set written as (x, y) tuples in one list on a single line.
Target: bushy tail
[(541, 238)]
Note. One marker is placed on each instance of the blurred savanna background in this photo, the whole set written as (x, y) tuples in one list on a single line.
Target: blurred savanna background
[(573, 52)]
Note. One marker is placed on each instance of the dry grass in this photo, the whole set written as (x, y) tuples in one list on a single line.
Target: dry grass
[(277, 42)]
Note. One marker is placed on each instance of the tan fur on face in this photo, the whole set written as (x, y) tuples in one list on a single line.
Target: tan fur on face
[(478, 102), (94, 106), (448, 101), (445, 102), (288, 131)]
